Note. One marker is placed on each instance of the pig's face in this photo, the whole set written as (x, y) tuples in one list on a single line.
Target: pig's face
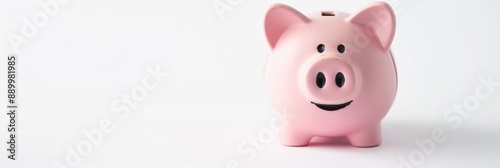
[(332, 71)]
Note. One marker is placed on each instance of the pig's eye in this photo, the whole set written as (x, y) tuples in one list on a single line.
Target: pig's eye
[(341, 48), (321, 48)]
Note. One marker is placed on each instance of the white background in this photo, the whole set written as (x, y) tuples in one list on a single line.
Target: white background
[(92, 52)]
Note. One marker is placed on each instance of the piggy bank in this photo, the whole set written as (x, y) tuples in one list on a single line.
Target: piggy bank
[(331, 74)]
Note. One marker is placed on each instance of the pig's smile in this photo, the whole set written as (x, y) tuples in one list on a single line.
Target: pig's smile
[(332, 107)]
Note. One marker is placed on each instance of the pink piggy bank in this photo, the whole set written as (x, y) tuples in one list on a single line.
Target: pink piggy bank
[(331, 74)]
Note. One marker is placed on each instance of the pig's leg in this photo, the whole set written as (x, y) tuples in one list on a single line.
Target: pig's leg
[(369, 137), (292, 137)]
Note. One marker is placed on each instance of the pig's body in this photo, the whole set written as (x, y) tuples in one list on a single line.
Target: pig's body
[(331, 76)]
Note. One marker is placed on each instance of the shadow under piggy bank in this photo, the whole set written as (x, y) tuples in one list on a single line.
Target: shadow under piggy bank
[(411, 136)]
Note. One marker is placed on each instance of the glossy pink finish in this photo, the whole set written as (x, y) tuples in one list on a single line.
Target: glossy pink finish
[(353, 107)]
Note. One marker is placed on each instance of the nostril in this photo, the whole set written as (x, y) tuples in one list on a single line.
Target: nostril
[(320, 80), (339, 79)]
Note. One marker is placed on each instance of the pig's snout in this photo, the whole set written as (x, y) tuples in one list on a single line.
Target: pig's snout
[(329, 79)]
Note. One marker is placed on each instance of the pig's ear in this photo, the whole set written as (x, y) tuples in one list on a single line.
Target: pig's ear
[(377, 20), (278, 19)]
